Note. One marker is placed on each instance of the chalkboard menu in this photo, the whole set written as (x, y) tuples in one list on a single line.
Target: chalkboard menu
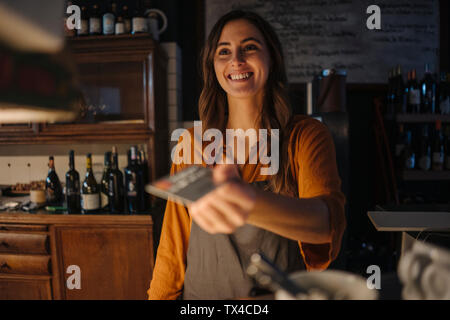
[(321, 34)]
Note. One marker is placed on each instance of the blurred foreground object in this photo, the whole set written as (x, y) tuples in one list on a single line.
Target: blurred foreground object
[(425, 272), (35, 85)]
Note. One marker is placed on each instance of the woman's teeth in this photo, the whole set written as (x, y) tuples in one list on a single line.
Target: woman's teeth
[(240, 76)]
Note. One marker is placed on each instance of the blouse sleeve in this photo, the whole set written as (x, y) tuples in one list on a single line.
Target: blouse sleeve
[(314, 163)]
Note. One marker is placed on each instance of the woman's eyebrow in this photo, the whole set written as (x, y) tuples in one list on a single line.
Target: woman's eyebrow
[(242, 41)]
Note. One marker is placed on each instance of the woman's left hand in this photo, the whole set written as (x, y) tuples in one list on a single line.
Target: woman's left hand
[(226, 208)]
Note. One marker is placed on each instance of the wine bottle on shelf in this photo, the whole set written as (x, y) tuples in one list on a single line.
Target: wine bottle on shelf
[(134, 187), (84, 22), (126, 19), (409, 154), (138, 22), (90, 193), (428, 92), (95, 23), (145, 198), (119, 27), (116, 187), (400, 97), (109, 19), (424, 162), (104, 185), (438, 149), (413, 94), (53, 189), (73, 187)]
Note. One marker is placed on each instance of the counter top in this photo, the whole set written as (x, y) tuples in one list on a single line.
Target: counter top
[(46, 218)]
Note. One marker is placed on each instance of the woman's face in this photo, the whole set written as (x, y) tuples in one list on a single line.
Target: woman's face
[(242, 59)]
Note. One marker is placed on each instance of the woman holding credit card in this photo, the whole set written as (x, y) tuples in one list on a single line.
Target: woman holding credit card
[(294, 215)]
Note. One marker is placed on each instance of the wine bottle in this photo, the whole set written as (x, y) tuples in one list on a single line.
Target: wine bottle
[(134, 187), (116, 187), (143, 164), (104, 186), (53, 189), (73, 187), (390, 94), (414, 94), (438, 149), (90, 193), (119, 27), (109, 19), (428, 92), (95, 24), (84, 22), (409, 152), (425, 150), (400, 98), (139, 22), (126, 19)]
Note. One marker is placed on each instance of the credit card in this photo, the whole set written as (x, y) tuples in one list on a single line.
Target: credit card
[(184, 187)]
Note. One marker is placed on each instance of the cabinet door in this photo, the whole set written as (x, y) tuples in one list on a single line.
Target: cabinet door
[(20, 287), (114, 262)]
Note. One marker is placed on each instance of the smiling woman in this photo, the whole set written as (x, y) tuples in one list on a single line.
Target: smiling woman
[(294, 216)]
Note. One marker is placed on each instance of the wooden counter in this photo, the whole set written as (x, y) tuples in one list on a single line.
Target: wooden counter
[(39, 253)]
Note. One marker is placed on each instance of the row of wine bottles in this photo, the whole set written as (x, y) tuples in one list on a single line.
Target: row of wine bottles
[(111, 20), (117, 193), (430, 95), (423, 147)]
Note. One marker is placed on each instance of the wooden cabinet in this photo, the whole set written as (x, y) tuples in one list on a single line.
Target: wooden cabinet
[(111, 261), (114, 254), (123, 80)]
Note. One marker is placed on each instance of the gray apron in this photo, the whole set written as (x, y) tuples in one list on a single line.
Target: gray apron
[(217, 263)]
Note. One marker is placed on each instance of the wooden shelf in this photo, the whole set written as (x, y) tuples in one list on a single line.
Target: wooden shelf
[(418, 175), (422, 118)]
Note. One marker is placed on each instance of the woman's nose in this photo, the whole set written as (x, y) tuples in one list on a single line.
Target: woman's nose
[(237, 59)]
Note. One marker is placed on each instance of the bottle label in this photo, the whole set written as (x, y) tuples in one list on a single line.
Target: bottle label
[(84, 27), (90, 201), (94, 25), (139, 24), (120, 28), (108, 23), (104, 199), (414, 97)]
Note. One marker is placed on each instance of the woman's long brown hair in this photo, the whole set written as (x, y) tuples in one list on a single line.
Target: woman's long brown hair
[(276, 110)]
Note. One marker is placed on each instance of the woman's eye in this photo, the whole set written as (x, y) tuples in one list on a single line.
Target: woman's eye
[(250, 47), (223, 52)]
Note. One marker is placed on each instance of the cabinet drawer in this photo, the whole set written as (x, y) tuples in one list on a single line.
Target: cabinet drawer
[(22, 227), (25, 264), (14, 242)]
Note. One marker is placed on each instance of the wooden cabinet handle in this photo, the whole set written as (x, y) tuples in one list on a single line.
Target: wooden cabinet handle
[(5, 266)]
